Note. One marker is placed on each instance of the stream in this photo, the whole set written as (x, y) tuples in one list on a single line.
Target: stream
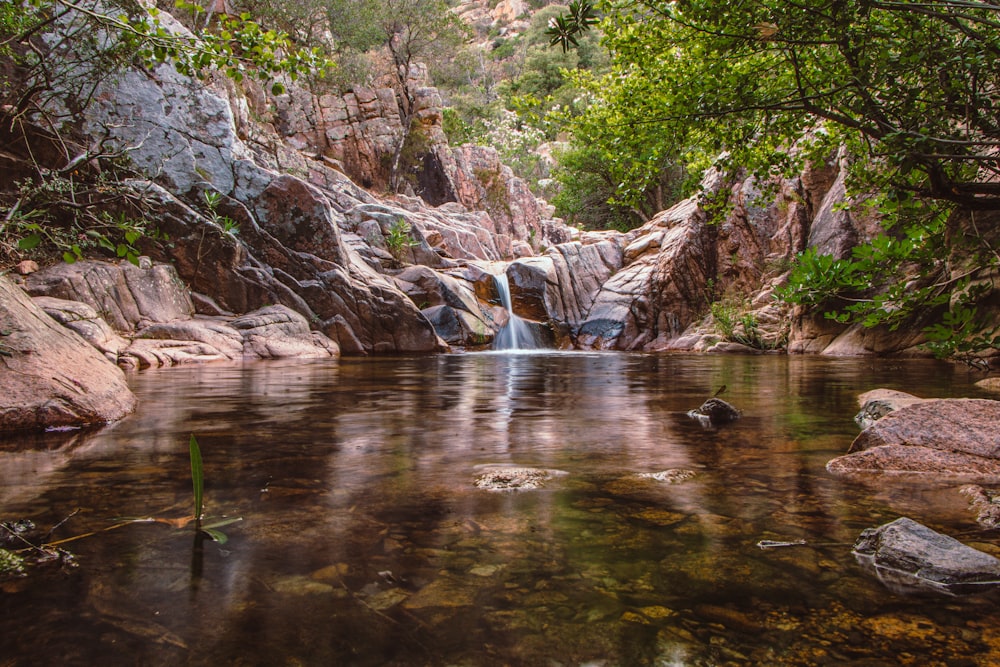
[(365, 541)]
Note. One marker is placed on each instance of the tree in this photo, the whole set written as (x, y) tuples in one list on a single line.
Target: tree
[(910, 85), (909, 88)]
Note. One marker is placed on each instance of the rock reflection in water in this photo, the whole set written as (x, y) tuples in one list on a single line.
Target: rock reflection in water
[(365, 540)]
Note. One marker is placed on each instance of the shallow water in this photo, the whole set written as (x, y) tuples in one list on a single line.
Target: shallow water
[(364, 540)]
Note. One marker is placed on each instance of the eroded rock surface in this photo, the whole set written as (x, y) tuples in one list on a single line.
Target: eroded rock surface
[(51, 376), (152, 323)]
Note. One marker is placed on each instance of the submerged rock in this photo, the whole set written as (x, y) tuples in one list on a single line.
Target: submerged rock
[(910, 557), (514, 479), (715, 411), (671, 476), (985, 503)]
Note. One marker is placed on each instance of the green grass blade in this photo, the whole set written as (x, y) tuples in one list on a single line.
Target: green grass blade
[(216, 535), (197, 478)]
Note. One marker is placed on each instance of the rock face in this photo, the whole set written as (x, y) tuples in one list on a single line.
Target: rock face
[(51, 376), (957, 438), (909, 556), (143, 317)]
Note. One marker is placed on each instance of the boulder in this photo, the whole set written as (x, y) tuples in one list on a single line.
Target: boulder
[(877, 403), (925, 462), (84, 320), (715, 411), (909, 556), (955, 438), (964, 425), (450, 304), (52, 377)]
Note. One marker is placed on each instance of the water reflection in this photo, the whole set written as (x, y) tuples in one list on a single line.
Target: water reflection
[(364, 541)]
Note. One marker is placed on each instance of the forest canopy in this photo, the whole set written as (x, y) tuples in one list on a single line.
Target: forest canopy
[(911, 87)]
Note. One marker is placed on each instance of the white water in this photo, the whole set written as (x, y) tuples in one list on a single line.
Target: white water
[(516, 334)]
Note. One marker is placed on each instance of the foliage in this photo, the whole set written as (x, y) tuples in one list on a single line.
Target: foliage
[(198, 488), (63, 48), (962, 336), (773, 84), (564, 30), (58, 53), (398, 238), (868, 287), (600, 189), (750, 79), (227, 224), (517, 143), (586, 194), (72, 215), (738, 325)]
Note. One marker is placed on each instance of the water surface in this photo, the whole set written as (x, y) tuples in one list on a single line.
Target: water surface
[(365, 542)]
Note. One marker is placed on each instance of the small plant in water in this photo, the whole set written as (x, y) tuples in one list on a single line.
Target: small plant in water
[(198, 486)]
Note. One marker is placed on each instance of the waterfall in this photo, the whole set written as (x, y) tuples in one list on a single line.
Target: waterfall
[(516, 334)]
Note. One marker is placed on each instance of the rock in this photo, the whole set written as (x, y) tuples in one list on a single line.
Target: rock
[(954, 438), (964, 425), (515, 479), (26, 267), (125, 296), (932, 464), (671, 476), (85, 321), (52, 377), (927, 560), (986, 504), (274, 332), (278, 332), (990, 384), (715, 411), (878, 403)]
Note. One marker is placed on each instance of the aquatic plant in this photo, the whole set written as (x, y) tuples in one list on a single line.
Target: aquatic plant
[(198, 488)]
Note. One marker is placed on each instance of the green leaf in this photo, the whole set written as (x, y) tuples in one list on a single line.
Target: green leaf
[(197, 477), (216, 535), (29, 242)]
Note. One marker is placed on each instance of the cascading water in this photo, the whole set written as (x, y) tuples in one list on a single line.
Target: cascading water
[(516, 334)]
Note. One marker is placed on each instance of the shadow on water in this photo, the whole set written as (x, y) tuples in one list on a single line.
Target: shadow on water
[(365, 541)]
